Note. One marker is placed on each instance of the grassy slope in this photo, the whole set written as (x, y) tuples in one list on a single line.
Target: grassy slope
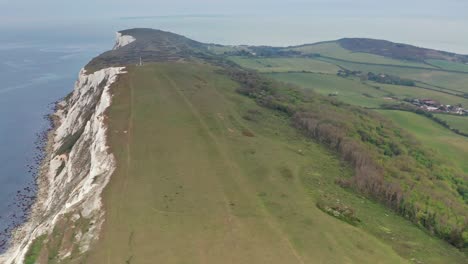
[(265, 65), (453, 147), (334, 50), (354, 92), (451, 84), (221, 49), (349, 91), (458, 122), (448, 65), (449, 145), (447, 80), (403, 92), (191, 188)]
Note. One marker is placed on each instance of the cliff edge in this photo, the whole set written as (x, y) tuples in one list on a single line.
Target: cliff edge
[(77, 169)]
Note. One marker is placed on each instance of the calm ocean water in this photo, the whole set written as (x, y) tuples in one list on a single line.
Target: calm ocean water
[(33, 75), (39, 65)]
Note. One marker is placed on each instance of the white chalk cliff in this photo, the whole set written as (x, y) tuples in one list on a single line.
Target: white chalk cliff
[(123, 40), (77, 168)]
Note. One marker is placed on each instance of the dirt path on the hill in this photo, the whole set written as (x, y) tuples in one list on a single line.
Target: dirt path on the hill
[(234, 167)]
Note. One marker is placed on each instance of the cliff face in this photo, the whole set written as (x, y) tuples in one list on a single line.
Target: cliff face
[(123, 40), (77, 170)]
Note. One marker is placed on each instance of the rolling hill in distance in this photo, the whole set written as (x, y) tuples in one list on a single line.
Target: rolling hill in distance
[(170, 150)]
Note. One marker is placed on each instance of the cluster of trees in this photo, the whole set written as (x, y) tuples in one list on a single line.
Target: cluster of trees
[(390, 166), (263, 51), (346, 73), (407, 163), (389, 79), (379, 78)]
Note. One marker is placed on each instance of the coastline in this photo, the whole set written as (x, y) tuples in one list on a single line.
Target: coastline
[(26, 197), (36, 211), (76, 167)]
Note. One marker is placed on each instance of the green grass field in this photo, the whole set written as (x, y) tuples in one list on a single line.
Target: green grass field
[(458, 122), (198, 183), (447, 87), (405, 92), (334, 50), (349, 90), (219, 49), (352, 91), (445, 80), (451, 146), (266, 65), (449, 65)]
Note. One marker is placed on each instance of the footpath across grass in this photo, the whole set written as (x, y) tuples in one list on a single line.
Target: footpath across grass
[(205, 175)]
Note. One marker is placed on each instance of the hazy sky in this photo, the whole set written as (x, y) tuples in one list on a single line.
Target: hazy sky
[(33, 10), (441, 24)]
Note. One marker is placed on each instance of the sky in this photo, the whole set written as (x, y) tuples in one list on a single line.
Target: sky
[(32, 10), (430, 23)]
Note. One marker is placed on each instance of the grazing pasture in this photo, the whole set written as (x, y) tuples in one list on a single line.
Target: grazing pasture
[(192, 187), (348, 90), (449, 65), (443, 141), (457, 122), (334, 50), (268, 65)]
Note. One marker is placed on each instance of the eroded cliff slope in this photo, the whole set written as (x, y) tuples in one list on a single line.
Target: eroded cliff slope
[(68, 214)]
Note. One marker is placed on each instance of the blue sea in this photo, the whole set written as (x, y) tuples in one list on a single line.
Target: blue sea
[(39, 65), (34, 73)]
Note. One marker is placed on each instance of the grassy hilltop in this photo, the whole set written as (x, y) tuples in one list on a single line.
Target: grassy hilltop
[(196, 180), (242, 154), (206, 175)]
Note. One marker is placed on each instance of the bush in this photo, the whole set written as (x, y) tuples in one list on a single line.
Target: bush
[(340, 211)]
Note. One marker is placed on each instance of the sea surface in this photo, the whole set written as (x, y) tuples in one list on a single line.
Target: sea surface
[(39, 65), (33, 75)]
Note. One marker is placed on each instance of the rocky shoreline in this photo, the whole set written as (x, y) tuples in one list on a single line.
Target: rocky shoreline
[(74, 170), (32, 196), (26, 198)]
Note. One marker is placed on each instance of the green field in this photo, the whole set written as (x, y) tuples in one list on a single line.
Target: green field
[(457, 122), (219, 49), (265, 65), (445, 87), (348, 90), (449, 65), (356, 92), (334, 50), (353, 91), (199, 182), (441, 79), (409, 92), (451, 146)]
